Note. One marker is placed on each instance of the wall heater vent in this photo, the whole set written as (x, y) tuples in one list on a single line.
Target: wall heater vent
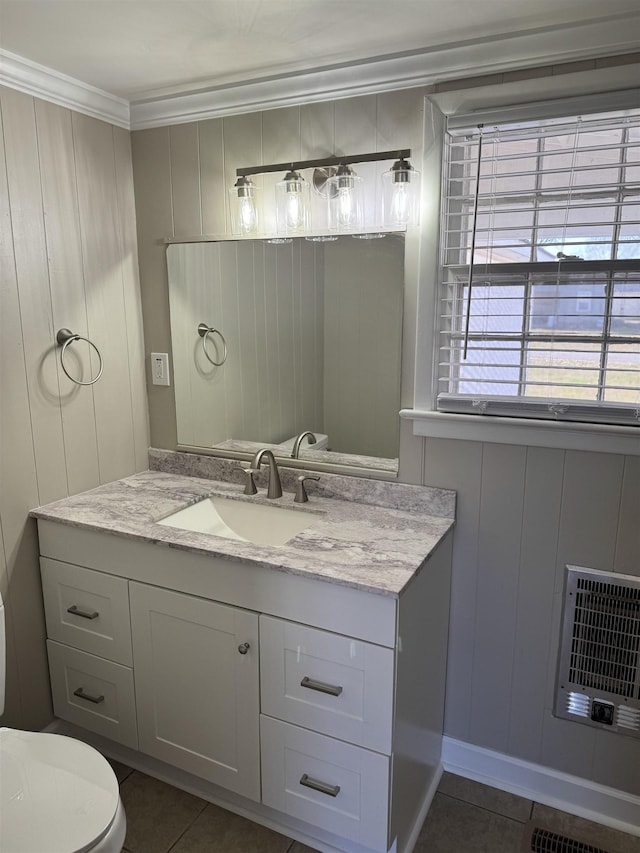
[(598, 678)]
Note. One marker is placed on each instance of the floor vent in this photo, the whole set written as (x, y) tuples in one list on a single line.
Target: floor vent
[(598, 680), (537, 839)]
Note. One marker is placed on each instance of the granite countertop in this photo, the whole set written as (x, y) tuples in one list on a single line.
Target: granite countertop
[(351, 542)]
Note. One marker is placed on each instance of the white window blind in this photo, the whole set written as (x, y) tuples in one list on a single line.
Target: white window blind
[(540, 301)]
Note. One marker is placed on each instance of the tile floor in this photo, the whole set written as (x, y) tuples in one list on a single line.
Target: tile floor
[(465, 817)]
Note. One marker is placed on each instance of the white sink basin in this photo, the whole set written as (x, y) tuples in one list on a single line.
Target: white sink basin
[(237, 519)]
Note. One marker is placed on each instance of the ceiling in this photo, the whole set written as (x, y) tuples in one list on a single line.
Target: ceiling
[(144, 50)]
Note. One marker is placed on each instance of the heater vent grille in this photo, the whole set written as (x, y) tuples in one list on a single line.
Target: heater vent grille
[(598, 680), (605, 646)]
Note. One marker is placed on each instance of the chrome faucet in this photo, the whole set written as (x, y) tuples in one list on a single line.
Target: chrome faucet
[(299, 439), (274, 489)]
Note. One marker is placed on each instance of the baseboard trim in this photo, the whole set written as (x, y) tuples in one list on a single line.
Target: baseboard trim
[(581, 797)]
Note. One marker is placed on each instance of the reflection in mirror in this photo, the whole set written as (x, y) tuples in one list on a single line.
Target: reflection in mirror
[(307, 337)]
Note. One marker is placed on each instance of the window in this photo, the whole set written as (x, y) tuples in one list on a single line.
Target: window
[(540, 291)]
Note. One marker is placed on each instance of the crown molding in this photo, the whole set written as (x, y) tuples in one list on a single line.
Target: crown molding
[(543, 46), (22, 74)]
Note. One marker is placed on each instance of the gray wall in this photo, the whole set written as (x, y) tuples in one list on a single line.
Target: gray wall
[(522, 514), (67, 258)]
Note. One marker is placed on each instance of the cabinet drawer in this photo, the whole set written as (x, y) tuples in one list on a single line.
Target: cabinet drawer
[(93, 693), (328, 683), (87, 610), (337, 787)]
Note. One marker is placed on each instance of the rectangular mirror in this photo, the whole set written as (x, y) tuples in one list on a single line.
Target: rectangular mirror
[(308, 336)]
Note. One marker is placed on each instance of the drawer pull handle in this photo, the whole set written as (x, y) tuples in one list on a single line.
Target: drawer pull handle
[(323, 787), (320, 686), (243, 648), (75, 611), (87, 696)]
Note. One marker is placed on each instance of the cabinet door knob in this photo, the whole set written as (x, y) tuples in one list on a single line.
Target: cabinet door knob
[(243, 648)]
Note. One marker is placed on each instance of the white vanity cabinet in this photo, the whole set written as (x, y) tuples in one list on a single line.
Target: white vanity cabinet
[(312, 706)]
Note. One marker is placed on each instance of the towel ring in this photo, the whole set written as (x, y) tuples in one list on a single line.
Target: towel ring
[(204, 331), (66, 337)]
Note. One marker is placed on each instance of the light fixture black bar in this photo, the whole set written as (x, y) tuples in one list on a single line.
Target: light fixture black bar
[(396, 154)]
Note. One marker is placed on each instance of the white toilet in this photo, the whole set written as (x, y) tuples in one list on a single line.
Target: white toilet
[(57, 795)]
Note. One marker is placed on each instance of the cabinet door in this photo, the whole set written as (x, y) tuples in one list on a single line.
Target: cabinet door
[(196, 668)]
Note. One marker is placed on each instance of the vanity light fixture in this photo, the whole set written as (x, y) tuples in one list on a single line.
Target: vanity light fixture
[(400, 191), (244, 207), (335, 179)]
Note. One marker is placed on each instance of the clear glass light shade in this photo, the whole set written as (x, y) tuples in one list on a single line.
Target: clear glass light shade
[(400, 196), (292, 204), (345, 200), (243, 204)]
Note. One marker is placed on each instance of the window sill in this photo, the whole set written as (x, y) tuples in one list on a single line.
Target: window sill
[(600, 438)]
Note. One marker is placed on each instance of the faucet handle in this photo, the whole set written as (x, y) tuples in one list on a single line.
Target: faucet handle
[(301, 493), (250, 483)]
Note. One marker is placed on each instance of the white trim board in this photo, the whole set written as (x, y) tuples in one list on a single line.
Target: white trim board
[(22, 74), (616, 809), (530, 432)]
